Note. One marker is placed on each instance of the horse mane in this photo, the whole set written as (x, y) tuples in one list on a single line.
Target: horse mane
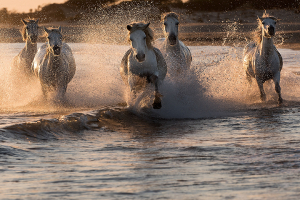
[(52, 30), (257, 33), (169, 14), (23, 30), (148, 31)]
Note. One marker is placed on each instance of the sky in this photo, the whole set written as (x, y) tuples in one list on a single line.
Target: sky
[(25, 5)]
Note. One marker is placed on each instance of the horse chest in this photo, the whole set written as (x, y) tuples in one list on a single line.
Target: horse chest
[(52, 72), (149, 66), (175, 58), (267, 63)]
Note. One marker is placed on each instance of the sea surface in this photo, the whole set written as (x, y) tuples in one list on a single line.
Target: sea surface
[(212, 139)]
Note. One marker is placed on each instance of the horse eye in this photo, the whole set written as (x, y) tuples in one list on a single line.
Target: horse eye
[(177, 23), (275, 22), (165, 24)]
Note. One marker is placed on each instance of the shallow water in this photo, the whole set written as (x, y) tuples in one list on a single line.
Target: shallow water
[(213, 138)]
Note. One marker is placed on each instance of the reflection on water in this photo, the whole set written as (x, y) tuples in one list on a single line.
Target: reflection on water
[(210, 143), (252, 156)]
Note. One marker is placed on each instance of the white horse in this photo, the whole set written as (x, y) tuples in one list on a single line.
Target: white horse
[(54, 64), (176, 54), (22, 62), (142, 63), (262, 60)]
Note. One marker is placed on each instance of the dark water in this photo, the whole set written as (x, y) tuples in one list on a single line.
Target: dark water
[(213, 138)]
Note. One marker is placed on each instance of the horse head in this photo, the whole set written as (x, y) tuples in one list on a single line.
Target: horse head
[(268, 26), (140, 36), (30, 30), (54, 39), (171, 27)]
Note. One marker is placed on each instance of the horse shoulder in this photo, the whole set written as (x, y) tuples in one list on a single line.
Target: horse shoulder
[(161, 63), (187, 51), (68, 55)]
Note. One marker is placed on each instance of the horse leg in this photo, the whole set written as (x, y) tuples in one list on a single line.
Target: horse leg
[(248, 77), (44, 90), (261, 89), (157, 100), (276, 80)]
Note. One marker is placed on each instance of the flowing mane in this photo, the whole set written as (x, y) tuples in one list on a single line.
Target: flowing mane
[(52, 30), (169, 14), (23, 30), (148, 31), (257, 33)]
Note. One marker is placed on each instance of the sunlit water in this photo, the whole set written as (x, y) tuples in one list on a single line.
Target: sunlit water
[(212, 139)]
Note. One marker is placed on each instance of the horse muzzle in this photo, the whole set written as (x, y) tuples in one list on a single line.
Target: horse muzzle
[(56, 50), (33, 39), (271, 31), (140, 57), (172, 39)]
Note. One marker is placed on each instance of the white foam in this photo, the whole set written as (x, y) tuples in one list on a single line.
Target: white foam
[(215, 85)]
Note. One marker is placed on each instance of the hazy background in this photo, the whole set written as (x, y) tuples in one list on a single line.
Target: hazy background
[(203, 22)]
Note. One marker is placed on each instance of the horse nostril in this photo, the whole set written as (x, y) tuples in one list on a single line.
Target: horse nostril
[(56, 50), (140, 57), (271, 30), (172, 39)]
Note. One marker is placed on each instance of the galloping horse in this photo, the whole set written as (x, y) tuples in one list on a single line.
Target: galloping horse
[(54, 64), (22, 62), (176, 54), (143, 63), (262, 60)]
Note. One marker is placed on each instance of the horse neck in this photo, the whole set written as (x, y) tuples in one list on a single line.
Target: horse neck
[(148, 49), (54, 61), (30, 48), (266, 46)]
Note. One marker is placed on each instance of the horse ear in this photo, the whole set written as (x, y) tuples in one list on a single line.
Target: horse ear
[(47, 30), (24, 22), (147, 25), (37, 21), (59, 28), (260, 19), (274, 18), (129, 27)]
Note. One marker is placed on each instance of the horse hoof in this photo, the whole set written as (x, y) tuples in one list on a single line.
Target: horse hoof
[(156, 105), (263, 98), (280, 101)]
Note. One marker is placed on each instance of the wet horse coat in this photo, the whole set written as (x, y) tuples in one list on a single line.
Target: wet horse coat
[(22, 62), (143, 62), (262, 60), (175, 52), (54, 64)]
